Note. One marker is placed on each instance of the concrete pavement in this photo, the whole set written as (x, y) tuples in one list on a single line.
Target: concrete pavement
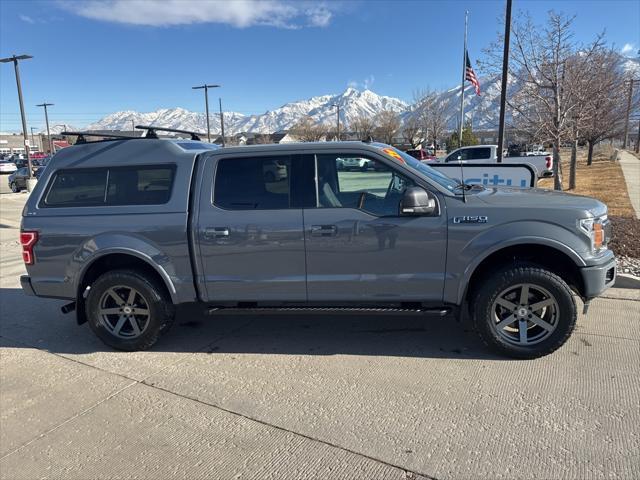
[(631, 171), (310, 396)]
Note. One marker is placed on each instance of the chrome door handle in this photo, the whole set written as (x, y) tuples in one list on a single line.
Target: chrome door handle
[(324, 230), (216, 232)]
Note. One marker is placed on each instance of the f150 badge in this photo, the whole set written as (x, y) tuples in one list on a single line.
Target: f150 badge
[(471, 219)]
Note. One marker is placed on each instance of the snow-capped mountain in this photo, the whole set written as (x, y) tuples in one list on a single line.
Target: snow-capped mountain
[(482, 110), (166, 117), (353, 103), (58, 129)]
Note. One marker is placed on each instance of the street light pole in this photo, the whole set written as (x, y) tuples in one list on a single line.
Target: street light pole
[(337, 118), (206, 104), (221, 120), (32, 140), (626, 122), (46, 118), (15, 59), (504, 83)]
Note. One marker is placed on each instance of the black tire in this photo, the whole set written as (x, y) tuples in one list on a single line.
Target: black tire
[(562, 314), (14, 187), (150, 293)]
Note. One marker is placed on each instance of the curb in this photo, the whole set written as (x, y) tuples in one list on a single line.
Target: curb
[(625, 280)]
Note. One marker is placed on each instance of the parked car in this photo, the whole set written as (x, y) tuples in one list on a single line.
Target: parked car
[(18, 179), (421, 154), (354, 163), (184, 222), (488, 154), (7, 166)]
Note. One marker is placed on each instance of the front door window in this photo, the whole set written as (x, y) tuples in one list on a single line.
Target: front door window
[(373, 187)]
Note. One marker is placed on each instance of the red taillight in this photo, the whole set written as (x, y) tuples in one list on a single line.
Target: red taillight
[(28, 239), (549, 161)]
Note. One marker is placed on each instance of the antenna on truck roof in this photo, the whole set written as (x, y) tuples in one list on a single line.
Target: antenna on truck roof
[(151, 131)]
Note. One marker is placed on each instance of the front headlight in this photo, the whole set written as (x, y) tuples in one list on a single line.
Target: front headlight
[(594, 229)]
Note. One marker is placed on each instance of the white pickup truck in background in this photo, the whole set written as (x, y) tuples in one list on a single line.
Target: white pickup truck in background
[(543, 164)]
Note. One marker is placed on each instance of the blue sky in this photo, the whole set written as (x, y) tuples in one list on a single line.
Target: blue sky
[(92, 58)]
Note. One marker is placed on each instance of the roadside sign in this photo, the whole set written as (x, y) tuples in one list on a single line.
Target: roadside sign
[(490, 174)]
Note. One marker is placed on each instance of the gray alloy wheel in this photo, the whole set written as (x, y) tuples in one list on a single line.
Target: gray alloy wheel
[(523, 310), (14, 187), (524, 314), (124, 312)]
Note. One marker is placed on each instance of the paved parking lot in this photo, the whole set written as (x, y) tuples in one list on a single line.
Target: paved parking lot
[(310, 396)]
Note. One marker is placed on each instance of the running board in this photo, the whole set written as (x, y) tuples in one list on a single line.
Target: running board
[(440, 312)]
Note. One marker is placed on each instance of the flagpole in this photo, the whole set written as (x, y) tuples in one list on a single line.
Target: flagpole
[(464, 68)]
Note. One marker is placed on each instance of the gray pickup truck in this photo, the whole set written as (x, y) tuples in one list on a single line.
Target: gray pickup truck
[(127, 229)]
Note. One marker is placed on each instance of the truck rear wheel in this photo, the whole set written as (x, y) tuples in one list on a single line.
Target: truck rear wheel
[(127, 310), (524, 311)]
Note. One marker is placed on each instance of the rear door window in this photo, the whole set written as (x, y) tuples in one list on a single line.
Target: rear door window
[(483, 153), (253, 183)]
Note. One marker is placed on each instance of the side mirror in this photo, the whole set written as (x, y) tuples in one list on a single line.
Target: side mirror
[(417, 202)]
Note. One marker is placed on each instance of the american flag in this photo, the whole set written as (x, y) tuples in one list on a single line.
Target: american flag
[(470, 75)]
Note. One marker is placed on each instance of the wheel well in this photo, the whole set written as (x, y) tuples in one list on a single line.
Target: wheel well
[(547, 257), (118, 261)]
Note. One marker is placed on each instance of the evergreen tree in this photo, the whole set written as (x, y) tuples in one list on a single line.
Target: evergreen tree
[(468, 138)]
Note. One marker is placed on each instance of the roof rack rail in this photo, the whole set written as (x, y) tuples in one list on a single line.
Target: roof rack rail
[(151, 131), (82, 136)]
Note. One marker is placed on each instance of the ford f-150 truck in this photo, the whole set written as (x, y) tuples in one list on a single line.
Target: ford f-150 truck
[(127, 229), (489, 154)]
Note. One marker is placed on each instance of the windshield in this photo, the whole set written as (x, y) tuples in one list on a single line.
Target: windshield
[(433, 174)]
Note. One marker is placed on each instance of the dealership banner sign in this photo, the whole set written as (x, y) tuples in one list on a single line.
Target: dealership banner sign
[(490, 174)]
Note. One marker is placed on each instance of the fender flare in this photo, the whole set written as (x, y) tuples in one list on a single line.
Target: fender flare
[(522, 240), (85, 258)]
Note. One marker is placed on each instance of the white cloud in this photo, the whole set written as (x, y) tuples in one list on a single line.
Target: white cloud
[(26, 18), (366, 84), (628, 48), (238, 13)]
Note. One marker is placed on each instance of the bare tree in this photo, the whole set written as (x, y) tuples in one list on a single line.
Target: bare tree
[(546, 63), (363, 127), (308, 130), (412, 131), (262, 138), (387, 124), (432, 113), (605, 101)]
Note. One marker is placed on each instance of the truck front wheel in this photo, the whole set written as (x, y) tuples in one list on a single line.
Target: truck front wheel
[(127, 310), (524, 311)]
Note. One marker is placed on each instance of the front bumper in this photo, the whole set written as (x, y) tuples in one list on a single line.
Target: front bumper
[(597, 278), (25, 283)]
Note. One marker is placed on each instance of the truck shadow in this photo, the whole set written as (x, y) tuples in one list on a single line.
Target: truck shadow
[(38, 323)]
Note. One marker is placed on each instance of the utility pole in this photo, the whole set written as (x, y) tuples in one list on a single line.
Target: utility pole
[(638, 138), (221, 120), (464, 72), (505, 75), (32, 140), (206, 104), (15, 59), (337, 118), (133, 127), (46, 118), (626, 121)]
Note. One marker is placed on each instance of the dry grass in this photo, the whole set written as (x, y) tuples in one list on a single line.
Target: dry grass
[(602, 180)]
